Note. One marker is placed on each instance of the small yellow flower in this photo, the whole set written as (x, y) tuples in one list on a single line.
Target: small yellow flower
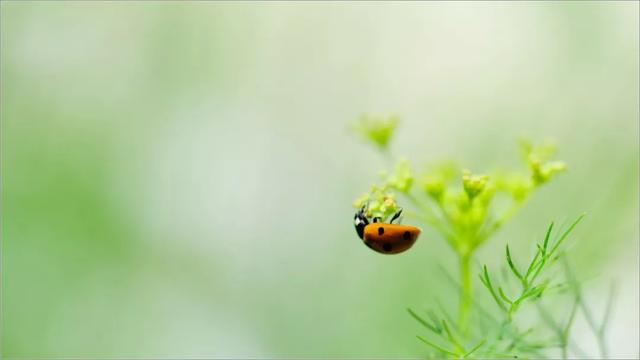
[(473, 184), (434, 185), (377, 203), (543, 172)]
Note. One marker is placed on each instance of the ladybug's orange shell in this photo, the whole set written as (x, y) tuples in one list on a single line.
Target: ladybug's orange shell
[(390, 238)]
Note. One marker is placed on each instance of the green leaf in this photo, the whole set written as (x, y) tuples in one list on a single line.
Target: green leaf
[(546, 240), (446, 315), (436, 321), (565, 234), (437, 347), (533, 263), (572, 315), (512, 266), (451, 337), (546, 255), (486, 280), (533, 292), (475, 348), (422, 321), (503, 296)]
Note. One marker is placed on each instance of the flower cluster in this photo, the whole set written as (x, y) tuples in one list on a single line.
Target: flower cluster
[(536, 157), (378, 202)]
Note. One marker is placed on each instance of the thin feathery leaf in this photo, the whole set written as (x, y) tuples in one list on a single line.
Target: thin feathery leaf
[(540, 264), (546, 240), (486, 280), (452, 338), (572, 315), (422, 321), (446, 315), (512, 266), (436, 321), (533, 263), (565, 234), (559, 288), (503, 296), (437, 347), (449, 277), (549, 254), (475, 348), (533, 292), (520, 336)]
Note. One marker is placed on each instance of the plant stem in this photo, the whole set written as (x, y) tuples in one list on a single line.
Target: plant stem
[(465, 291)]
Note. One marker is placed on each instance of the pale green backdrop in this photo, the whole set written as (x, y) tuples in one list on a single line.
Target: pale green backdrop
[(177, 178)]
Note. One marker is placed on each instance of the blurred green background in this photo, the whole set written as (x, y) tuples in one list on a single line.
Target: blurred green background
[(177, 178)]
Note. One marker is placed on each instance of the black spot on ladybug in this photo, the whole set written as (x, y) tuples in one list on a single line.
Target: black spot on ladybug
[(387, 247), (380, 230), (406, 235)]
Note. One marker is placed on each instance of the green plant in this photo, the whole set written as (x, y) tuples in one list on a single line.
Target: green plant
[(508, 339), (463, 211), (467, 209)]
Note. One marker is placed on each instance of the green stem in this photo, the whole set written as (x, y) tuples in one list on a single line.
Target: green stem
[(465, 292)]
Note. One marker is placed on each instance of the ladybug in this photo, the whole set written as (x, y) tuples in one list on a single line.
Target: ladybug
[(385, 238)]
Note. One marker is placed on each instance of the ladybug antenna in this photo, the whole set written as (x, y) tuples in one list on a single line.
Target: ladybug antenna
[(363, 208), (396, 216)]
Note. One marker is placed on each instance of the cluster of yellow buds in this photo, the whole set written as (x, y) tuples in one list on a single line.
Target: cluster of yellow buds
[(536, 157), (542, 172), (379, 202), (464, 200)]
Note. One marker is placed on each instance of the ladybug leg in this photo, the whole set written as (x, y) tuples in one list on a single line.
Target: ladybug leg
[(377, 219), (396, 216)]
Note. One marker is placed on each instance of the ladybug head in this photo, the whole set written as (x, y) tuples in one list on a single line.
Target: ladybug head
[(360, 221)]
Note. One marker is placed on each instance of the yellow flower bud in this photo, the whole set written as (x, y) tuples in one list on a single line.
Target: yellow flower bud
[(402, 178), (377, 128), (434, 186), (473, 184)]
